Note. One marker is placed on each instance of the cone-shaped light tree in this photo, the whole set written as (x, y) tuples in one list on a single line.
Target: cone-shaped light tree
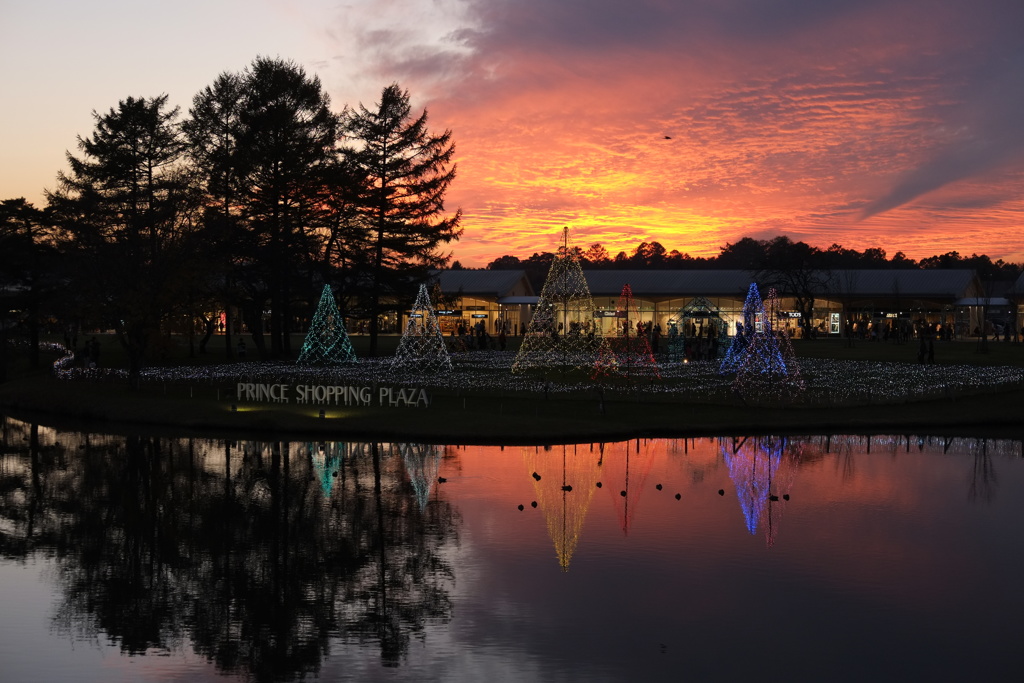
[(753, 318), (562, 332), (422, 348), (327, 341)]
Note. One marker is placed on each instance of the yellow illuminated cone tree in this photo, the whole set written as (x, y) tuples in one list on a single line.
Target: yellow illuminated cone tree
[(562, 333)]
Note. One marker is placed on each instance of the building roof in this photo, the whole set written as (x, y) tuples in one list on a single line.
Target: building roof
[(514, 300), (983, 301), (911, 283), (496, 283), (935, 283), (1017, 290), (926, 283), (671, 283)]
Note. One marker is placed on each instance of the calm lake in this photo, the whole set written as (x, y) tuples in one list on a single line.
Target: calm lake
[(734, 558)]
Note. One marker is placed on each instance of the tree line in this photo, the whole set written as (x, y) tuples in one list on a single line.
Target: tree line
[(759, 256), (252, 201)]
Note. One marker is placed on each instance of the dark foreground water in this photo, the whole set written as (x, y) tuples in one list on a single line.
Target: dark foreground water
[(810, 558)]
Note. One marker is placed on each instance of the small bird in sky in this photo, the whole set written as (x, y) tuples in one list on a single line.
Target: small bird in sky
[(668, 137)]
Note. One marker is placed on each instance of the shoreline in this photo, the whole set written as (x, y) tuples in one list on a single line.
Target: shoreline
[(530, 419)]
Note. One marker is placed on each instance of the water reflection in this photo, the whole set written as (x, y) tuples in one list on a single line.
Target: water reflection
[(564, 481), (271, 560), (256, 553)]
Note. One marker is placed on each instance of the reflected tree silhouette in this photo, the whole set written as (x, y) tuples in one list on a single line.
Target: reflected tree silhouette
[(232, 549), (984, 480)]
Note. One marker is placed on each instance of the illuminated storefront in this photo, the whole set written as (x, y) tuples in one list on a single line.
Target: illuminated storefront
[(500, 300), (860, 302)]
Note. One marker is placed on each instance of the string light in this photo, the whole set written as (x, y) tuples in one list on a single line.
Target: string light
[(752, 464), (753, 313), (562, 331), (422, 349), (628, 352), (327, 342), (422, 463), (827, 382)]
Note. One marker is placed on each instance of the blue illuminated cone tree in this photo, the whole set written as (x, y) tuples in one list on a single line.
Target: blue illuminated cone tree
[(327, 341), (752, 464), (753, 315), (763, 372)]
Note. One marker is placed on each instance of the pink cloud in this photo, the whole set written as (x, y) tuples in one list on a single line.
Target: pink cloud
[(797, 116)]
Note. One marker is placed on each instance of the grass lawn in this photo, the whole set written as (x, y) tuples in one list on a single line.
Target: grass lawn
[(946, 353)]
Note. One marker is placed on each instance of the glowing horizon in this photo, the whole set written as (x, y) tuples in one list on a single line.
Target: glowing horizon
[(692, 124)]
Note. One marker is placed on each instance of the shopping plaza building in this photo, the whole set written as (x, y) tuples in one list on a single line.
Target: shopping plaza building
[(844, 301)]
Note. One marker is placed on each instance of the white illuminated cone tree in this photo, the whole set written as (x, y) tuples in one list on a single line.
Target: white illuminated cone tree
[(422, 349), (422, 463), (773, 309)]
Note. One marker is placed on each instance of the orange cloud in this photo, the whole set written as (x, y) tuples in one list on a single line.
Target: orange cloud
[(698, 124)]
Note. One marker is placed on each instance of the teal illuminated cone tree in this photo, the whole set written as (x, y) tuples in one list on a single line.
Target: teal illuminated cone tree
[(327, 342)]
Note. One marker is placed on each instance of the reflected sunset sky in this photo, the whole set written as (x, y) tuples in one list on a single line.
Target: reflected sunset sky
[(693, 123)]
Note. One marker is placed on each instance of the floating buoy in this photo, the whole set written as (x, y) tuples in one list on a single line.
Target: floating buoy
[(622, 493), (533, 504), (773, 498), (721, 492), (598, 484), (785, 496), (521, 508), (536, 476), (441, 480), (678, 496), (567, 487), (657, 486)]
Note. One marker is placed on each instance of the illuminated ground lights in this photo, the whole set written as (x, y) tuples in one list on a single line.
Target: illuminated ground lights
[(826, 381)]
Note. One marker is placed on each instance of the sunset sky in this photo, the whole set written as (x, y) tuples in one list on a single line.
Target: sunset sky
[(871, 123)]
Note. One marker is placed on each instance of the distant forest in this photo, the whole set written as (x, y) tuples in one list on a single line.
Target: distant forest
[(757, 255)]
